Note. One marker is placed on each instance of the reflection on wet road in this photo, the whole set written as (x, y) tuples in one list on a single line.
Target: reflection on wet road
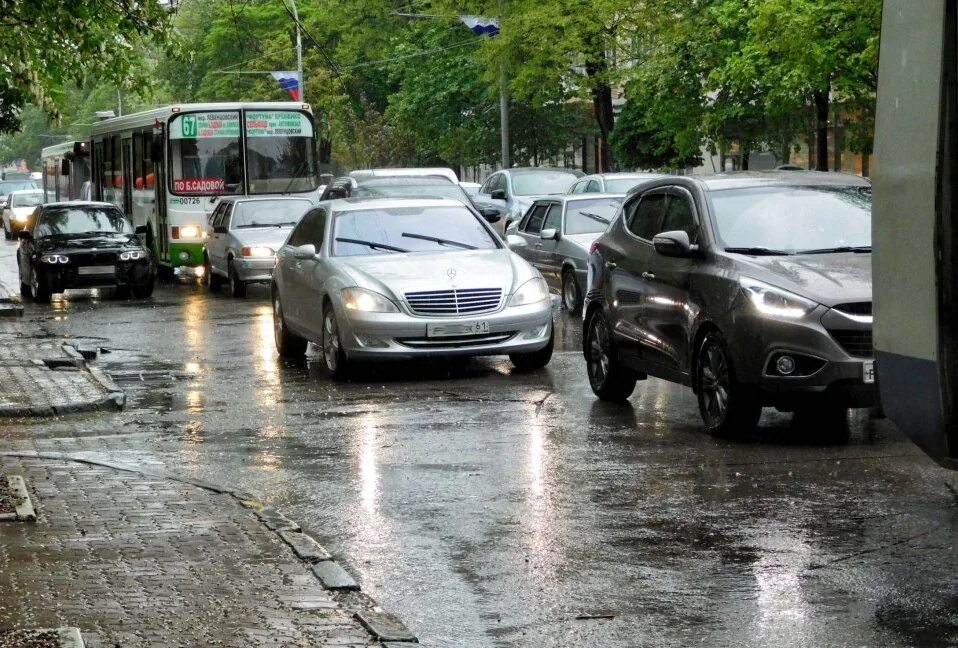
[(491, 509)]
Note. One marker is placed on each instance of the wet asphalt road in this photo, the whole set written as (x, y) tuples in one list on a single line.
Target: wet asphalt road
[(491, 509)]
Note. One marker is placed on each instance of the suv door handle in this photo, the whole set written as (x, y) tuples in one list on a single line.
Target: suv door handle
[(648, 276), (611, 265)]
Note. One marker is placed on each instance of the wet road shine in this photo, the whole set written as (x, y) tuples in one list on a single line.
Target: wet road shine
[(489, 509)]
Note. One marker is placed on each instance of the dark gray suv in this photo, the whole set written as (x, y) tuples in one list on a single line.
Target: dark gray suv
[(753, 289)]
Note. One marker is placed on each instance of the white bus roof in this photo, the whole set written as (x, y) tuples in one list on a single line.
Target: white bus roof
[(57, 149), (149, 117)]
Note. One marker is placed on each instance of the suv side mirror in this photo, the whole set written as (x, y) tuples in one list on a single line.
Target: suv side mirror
[(674, 244), (498, 194), (220, 229), (304, 252), (551, 234), (491, 214), (24, 235)]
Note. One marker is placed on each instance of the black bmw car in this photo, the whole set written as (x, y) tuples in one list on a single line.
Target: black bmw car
[(82, 245)]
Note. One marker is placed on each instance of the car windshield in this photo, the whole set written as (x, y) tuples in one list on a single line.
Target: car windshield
[(415, 189), (793, 219), (392, 230), (621, 185), (268, 213), (9, 186), (26, 199), (590, 216), (82, 220), (541, 183)]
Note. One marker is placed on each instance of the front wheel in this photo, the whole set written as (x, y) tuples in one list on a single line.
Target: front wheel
[(288, 344), (39, 288), (610, 381), (237, 285), (728, 407), (143, 291), (7, 234), (535, 359), (571, 295), (335, 361)]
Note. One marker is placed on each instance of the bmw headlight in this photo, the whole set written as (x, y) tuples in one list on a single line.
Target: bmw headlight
[(367, 301), (531, 292), (55, 258), (132, 255), (258, 252), (775, 302)]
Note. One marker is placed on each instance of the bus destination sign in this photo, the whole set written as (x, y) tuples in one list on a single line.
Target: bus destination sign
[(281, 123), (205, 125)]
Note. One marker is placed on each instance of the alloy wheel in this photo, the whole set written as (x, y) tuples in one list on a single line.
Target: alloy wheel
[(277, 322), (715, 381), (570, 292), (599, 359), (331, 341)]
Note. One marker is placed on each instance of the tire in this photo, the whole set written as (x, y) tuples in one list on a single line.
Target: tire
[(237, 287), (534, 360), (288, 345), (39, 288), (7, 234), (335, 362), (728, 407), (165, 272), (144, 291), (610, 381), (571, 293), (121, 292)]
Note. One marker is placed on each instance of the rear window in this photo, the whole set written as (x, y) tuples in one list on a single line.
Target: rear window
[(398, 230), (542, 183), (7, 187)]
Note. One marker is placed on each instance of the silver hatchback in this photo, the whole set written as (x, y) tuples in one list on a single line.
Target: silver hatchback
[(399, 278)]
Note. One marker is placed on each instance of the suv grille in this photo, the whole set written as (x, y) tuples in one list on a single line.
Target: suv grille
[(855, 343), (856, 308), (454, 302)]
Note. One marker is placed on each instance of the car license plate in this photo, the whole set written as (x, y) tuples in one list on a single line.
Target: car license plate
[(441, 329), (95, 270), (868, 371)]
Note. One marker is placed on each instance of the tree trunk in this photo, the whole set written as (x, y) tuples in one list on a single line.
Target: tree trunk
[(821, 130), (865, 165), (745, 154), (596, 67)]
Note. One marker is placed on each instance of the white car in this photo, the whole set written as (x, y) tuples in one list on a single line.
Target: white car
[(17, 209)]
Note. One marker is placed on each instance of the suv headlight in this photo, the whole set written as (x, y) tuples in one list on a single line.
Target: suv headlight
[(775, 302), (55, 258), (367, 301), (531, 292), (132, 255)]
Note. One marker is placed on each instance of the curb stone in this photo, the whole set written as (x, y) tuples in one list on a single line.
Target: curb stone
[(359, 604), (66, 637), (305, 546), (23, 505), (10, 305)]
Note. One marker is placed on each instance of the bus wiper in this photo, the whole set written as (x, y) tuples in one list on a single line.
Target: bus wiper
[(371, 244), (601, 219), (860, 249), (293, 178), (440, 241), (757, 251)]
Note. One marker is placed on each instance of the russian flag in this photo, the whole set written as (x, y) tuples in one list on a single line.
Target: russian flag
[(481, 26), (289, 81)]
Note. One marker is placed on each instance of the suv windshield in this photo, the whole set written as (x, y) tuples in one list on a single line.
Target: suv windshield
[(793, 219), (590, 216), (536, 183), (268, 213), (82, 220), (393, 230), (9, 186), (26, 199)]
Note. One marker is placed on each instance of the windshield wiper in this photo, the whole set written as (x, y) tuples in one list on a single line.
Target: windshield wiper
[(860, 249), (757, 251), (440, 241), (601, 219), (371, 244), (293, 178)]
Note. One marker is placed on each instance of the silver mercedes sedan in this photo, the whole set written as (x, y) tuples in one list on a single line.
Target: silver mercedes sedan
[(397, 278)]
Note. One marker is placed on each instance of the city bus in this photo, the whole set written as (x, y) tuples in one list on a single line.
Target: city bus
[(915, 227), (167, 167), (66, 171)]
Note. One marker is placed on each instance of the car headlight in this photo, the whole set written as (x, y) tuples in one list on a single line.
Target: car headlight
[(257, 252), (132, 255), (531, 292), (20, 217), (367, 301), (55, 258), (775, 302), (190, 231)]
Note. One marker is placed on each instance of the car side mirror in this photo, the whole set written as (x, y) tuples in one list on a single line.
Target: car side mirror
[(304, 252), (220, 229), (141, 229), (25, 235), (515, 241), (551, 234), (491, 214), (674, 244), (498, 194)]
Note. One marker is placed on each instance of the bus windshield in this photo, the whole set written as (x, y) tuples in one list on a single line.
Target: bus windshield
[(205, 154), (280, 157)]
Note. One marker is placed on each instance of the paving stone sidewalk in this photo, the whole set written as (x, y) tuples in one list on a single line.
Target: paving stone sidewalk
[(10, 304), (134, 560), (43, 376)]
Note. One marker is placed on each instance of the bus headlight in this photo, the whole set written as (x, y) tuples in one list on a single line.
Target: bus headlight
[(132, 255), (190, 231), (257, 252), (55, 258)]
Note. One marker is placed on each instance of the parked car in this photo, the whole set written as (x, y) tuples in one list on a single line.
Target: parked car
[(82, 245), (7, 187), (445, 172), (244, 236), (394, 278), (611, 182), (471, 188), (17, 209), (555, 236), (406, 186), (513, 190), (753, 289)]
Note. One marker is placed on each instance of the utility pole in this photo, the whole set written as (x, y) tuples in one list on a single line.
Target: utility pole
[(504, 118), (299, 55)]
